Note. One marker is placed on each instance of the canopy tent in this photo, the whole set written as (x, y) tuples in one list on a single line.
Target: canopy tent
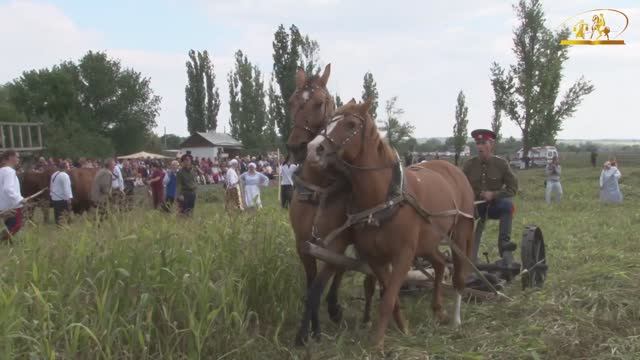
[(143, 155)]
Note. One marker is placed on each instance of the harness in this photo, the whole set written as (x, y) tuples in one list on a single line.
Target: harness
[(310, 89), (396, 197)]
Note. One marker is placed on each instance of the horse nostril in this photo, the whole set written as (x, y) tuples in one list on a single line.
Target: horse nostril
[(320, 149)]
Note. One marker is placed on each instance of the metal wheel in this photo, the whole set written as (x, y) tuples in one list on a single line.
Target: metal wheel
[(533, 256)]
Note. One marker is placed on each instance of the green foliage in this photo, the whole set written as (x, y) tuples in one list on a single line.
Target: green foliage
[(460, 132), (397, 131), (249, 118), (94, 99), (528, 92), (171, 141), (201, 94), (370, 91), (339, 102), (275, 112), (8, 112), (291, 50)]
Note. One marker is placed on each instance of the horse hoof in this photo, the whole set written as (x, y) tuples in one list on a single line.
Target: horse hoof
[(442, 318), (301, 340), (335, 313)]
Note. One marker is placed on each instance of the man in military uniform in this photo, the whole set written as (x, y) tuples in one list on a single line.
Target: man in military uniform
[(493, 182)]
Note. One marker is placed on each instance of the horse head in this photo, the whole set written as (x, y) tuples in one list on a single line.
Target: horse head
[(310, 107), (344, 140)]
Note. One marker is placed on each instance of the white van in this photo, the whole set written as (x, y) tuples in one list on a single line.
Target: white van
[(540, 156)]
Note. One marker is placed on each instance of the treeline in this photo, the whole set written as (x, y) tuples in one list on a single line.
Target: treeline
[(94, 106)]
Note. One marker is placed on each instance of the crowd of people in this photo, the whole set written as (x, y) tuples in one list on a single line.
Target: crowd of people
[(173, 183)]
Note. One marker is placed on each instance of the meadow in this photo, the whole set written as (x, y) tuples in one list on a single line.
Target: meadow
[(147, 285)]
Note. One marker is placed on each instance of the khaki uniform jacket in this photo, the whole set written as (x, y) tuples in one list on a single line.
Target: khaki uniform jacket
[(491, 175), (101, 188)]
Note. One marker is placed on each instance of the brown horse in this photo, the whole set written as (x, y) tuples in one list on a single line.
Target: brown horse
[(414, 224), (319, 202)]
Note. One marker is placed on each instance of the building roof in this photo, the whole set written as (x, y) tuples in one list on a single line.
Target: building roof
[(211, 138)]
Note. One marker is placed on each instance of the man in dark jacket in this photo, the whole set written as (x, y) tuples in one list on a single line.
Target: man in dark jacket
[(494, 183), (186, 185)]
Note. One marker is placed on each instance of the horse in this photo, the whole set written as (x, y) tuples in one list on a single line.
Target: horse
[(318, 203), (399, 214)]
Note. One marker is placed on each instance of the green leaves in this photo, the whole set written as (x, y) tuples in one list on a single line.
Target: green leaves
[(529, 91), (93, 107)]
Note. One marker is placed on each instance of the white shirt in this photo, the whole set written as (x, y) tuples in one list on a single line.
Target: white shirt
[(10, 196), (60, 187), (231, 178), (117, 182), (286, 171)]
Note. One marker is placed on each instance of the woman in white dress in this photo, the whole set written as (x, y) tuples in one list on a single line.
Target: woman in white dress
[(609, 188), (251, 181)]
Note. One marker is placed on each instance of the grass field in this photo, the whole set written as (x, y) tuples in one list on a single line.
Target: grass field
[(146, 285)]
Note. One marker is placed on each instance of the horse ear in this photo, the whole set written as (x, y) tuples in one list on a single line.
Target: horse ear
[(352, 101), (324, 79), (301, 77)]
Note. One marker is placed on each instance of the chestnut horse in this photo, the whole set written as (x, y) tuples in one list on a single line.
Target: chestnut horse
[(319, 202), (415, 221)]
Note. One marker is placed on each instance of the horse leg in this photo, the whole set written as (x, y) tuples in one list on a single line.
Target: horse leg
[(311, 270), (369, 290), (312, 305), (463, 237), (334, 309), (438, 262), (390, 300)]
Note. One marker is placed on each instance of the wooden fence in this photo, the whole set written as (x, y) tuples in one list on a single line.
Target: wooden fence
[(21, 136)]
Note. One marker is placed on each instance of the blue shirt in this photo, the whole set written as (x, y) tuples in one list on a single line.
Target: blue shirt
[(172, 185)]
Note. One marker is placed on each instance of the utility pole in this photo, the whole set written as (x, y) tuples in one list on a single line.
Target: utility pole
[(165, 138)]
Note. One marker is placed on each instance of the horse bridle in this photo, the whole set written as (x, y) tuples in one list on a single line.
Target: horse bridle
[(306, 127), (354, 132)]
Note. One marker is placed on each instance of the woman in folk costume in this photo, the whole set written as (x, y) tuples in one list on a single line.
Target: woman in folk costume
[(609, 188), (232, 182), (251, 181)]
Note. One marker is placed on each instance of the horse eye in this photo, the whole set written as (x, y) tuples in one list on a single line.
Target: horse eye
[(351, 125), (317, 105)]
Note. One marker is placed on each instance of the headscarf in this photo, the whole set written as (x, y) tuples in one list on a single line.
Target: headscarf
[(251, 165), (233, 162)]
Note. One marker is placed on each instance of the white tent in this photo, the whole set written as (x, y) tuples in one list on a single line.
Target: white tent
[(143, 155)]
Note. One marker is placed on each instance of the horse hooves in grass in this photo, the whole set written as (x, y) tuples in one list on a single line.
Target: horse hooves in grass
[(335, 313), (442, 318)]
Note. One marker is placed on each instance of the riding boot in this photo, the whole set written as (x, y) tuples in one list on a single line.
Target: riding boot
[(505, 246)]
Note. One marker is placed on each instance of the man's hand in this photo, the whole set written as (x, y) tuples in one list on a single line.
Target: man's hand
[(488, 195), (181, 198)]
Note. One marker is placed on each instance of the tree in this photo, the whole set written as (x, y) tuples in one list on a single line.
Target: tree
[(370, 91), (246, 102), (8, 111), (339, 102), (275, 112), (171, 141), (213, 95), (202, 99), (195, 94), (396, 131), (528, 92), (499, 87), (286, 59), (460, 126), (310, 51), (94, 102)]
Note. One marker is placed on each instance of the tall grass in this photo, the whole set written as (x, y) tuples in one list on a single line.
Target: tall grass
[(147, 285)]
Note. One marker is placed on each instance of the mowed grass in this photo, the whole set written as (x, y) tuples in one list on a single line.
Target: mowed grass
[(146, 285)]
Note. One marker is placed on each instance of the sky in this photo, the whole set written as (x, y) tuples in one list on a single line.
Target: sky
[(424, 52)]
